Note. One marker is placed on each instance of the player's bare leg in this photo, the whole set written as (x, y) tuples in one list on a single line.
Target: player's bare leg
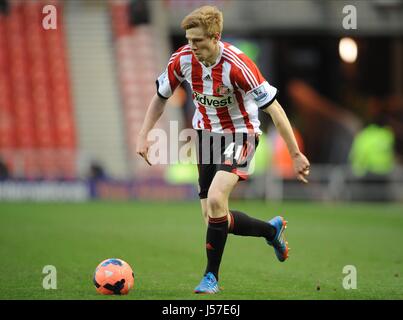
[(217, 229), (219, 192)]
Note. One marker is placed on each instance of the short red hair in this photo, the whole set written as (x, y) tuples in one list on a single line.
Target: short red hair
[(209, 18)]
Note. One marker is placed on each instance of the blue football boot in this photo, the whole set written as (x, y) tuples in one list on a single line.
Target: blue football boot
[(279, 243), (208, 284)]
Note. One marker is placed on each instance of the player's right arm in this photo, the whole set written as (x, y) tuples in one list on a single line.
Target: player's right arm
[(154, 112)]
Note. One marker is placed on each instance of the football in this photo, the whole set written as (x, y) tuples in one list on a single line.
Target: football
[(113, 276)]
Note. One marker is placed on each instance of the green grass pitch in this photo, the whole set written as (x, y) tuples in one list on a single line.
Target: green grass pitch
[(164, 244)]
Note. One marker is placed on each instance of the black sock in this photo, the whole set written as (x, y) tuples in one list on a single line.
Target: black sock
[(217, 232), (243, 225)]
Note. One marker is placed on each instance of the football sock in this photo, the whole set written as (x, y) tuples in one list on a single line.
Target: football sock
[(217, 232), (244, 225)]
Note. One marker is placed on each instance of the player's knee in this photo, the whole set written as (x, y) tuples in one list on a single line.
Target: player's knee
[(215, 204)]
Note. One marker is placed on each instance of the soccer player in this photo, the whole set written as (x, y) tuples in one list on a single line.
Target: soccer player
[(228, 91)]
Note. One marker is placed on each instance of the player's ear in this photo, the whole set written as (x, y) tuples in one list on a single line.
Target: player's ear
[(217, 36)]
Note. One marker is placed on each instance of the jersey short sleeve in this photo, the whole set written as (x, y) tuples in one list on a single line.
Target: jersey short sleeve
[(169, 80), (263, 95), (249, 78)]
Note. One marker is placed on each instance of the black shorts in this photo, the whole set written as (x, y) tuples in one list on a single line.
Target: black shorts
[(231, 152)]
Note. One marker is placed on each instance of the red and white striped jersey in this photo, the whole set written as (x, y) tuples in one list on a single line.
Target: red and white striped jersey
[(227, 95)]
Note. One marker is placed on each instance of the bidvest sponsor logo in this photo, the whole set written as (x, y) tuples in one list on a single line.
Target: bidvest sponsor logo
[(212, 101)]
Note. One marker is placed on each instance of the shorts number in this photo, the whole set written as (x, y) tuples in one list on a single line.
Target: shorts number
[(229, 151)]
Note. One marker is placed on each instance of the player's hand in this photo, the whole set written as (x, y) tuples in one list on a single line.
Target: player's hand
[(142, 146), (301, 167)]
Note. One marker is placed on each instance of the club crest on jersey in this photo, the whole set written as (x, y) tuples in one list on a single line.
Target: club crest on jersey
[(223, 90)]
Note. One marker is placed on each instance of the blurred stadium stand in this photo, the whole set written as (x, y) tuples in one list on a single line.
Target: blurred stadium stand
[(76, 96), (135, 52), (37, 132), (95, 87)]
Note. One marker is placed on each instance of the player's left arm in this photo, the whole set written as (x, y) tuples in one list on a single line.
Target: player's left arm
[(280, 120), (251, 80)]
